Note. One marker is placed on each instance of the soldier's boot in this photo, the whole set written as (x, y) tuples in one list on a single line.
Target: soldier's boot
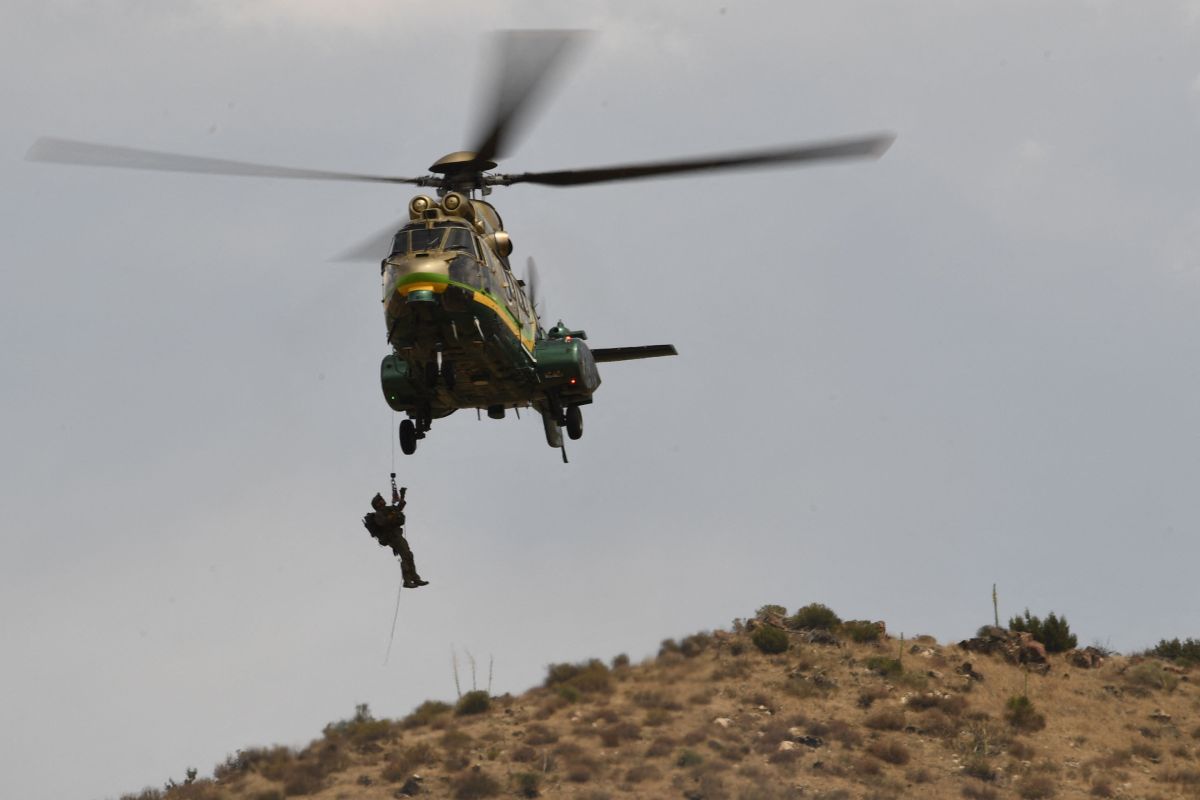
[(411, 579)]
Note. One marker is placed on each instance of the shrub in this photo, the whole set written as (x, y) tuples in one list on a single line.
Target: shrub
[(620, 661), (887, 667), (888, 719), (890, 750), (862, 631), (770, 639), (813, 616), (689, 758), (644, 772), (475, 783), (1054, 633), (1185, 652), (540, 734), (528, 783), (771, 610), (586, 677), (362, 729), (1152, 675), (694, 645), (1020, 714), (973, 792), (474, 702), (425, 714), (978, 766), (1036, 787)]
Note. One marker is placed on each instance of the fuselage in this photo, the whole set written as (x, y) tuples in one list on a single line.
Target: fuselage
[(463, 331)]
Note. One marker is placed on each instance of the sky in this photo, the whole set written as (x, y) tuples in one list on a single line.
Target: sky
[(975, 361)]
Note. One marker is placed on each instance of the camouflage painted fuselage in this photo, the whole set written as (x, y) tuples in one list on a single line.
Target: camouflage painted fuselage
[(462, 330)]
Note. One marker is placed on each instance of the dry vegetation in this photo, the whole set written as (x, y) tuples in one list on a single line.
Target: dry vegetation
[(833, 711)]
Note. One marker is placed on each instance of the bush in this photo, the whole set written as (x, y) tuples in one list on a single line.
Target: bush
[(892, 751), (862, 631), (771, 610), (474, 784), (1020, 714), (528, 783), (813, 616), (425, 714), (585, 677), (1185, 652), (888, 719), (770, 639), (620, 661), (1151, 675), (1054, 633), (1036, 787), (887, 667), (475, 702), (689, 758), (362, 729)]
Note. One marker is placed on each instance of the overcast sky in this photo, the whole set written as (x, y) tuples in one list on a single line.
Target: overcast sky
[(974, 361)]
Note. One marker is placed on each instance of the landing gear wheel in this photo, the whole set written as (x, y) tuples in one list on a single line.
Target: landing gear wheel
[(408, 437), (574, 422)]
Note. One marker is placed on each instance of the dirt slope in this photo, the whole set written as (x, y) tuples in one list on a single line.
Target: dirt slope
[(713, 717)]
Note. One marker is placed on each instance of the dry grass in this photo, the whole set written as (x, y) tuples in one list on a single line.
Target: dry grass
[(713, 717)]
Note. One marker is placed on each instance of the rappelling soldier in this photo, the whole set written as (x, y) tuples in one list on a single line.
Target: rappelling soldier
[(386, 524)]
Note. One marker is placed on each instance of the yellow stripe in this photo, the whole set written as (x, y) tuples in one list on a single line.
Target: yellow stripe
[(415, 287), (484, 300)]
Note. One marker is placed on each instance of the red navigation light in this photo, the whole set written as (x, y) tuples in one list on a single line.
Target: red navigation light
[(568, 338), (572, 381)]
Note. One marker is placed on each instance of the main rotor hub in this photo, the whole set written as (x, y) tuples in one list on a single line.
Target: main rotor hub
[(460, 162)]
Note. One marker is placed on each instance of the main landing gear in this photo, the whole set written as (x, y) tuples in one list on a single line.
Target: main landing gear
[(413, 429)]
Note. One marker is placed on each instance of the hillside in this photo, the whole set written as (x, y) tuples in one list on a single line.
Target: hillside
[(844, 712)]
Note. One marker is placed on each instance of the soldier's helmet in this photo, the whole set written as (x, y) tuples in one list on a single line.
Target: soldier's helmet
[(378, 503)]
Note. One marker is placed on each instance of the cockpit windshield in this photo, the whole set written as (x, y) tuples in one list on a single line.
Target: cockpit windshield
[(417, 240)]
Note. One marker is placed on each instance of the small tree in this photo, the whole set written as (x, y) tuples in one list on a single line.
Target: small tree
[(1054, 633), (814, 616), (770, 639)]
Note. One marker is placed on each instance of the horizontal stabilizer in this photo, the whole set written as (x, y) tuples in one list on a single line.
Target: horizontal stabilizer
[(630, 353)]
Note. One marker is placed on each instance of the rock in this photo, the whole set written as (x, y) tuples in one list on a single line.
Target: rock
[(1014, 647), (811, 741), (787, 745), (1087, 658), (821, 637), (411, 787), (724, 722), (1160, 716), (968, 671)]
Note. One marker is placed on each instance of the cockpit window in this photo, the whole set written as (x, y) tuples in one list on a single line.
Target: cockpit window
[(459, 239), (417, 240)]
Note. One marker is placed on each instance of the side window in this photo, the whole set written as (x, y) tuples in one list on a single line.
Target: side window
[(400, 243)]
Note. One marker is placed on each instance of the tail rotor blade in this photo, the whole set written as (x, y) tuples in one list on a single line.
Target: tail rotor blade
[(531, 278)]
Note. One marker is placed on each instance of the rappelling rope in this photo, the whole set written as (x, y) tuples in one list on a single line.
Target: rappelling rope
[(400, 588), (395, 616)]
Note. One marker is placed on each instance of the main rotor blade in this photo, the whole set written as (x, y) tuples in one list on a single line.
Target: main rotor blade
[(375, 248), (867, 147), (69, 151), (525, 60)]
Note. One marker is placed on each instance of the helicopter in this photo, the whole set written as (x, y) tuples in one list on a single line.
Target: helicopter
[(464, 331)]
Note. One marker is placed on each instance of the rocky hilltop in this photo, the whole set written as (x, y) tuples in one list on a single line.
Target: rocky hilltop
[(776, 707)]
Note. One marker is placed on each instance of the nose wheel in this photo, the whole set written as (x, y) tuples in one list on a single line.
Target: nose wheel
[(412, 430), (408, 437)]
